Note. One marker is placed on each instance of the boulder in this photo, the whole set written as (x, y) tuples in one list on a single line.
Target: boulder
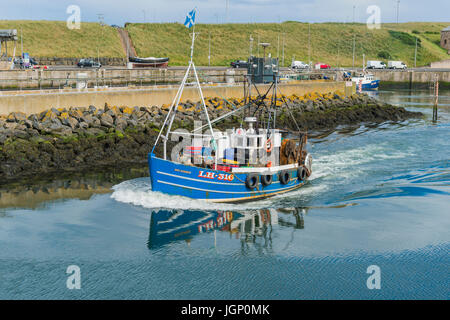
[(106, 120), (28, 123), (55, 126), (132, 123), (20, 134), (121, 123), (92, 109), (95, 123), (50, 115), (126, 110), (11, 117), (16, 117), (57, 112), (33, 117), (3, 137), (83, 125), (111, 113), (94, 131), (309, 106), (70, 122), (32, 132), (76, 113), (10, 125), (87, 118)]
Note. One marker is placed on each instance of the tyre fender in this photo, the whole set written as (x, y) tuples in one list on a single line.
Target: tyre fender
[(284, 177), (252, 181)]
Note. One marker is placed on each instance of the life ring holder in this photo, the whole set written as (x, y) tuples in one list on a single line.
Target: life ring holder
[(269, 145)]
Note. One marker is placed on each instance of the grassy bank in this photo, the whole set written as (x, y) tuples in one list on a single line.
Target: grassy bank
[(330, 42), (54, 39)]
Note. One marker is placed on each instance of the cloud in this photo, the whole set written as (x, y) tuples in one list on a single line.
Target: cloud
[(119, 12)]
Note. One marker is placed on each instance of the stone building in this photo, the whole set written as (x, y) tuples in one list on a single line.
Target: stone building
[(445, 39)]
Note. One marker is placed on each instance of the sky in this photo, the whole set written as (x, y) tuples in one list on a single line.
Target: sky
[(239, 11)]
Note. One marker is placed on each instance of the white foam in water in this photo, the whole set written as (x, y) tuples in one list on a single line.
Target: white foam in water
[(138, 192), (347, 164)]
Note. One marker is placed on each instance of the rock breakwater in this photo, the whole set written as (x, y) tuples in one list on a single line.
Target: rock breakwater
[(86, 138)]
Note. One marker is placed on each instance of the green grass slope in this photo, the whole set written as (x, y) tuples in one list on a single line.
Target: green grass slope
[(54, 39), (330, 42)]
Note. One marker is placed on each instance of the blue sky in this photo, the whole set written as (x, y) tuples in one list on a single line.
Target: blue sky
[(212, 11)]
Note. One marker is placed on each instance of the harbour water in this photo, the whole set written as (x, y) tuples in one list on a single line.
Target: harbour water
[(379, 196)]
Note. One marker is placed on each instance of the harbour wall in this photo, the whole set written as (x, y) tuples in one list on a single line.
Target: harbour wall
[(36, 101), (411, 79), (46, 79), (42, 79)]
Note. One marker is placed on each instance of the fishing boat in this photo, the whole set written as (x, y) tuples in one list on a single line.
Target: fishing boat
[(149, 62), (366, 81), (251, 162)]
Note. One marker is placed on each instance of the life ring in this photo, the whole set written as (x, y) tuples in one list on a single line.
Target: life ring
[(266, 179), (269, 145), (284, 177), (301, 173), (252, 181)]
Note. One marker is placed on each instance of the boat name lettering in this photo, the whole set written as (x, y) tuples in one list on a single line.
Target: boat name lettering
[(218, 176), (183, 171)]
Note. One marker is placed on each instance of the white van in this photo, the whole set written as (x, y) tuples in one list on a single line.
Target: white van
[(376, 64), (299, 65), (396, 65)]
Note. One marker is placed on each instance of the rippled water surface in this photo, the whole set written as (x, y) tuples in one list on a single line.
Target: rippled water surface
[(379, 195)]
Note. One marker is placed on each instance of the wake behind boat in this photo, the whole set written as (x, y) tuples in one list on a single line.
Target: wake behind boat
[(251, 162)]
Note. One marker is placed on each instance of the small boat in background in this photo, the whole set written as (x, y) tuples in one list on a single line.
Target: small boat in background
[(149, 62), (367, 81)]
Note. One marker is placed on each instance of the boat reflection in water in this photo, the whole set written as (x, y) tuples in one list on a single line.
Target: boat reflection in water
[(250, 226)]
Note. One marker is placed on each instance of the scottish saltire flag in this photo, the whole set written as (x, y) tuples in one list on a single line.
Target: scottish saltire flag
[(190, 19)]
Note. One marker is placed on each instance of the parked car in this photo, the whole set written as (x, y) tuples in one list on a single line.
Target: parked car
[(319, 65), (88, 63), (373, 64), (396, 65), (299, 65), (239, 64), (38, 66)]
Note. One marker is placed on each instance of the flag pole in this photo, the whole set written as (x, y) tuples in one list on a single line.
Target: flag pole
[(193, 39), (177, 98)]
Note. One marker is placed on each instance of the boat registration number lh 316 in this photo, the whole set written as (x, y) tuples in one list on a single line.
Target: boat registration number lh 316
[(218, 176)]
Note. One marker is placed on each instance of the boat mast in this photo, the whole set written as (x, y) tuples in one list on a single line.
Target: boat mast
[(176, 101)]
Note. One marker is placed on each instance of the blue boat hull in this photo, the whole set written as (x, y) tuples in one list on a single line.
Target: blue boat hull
[(211, 185)]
